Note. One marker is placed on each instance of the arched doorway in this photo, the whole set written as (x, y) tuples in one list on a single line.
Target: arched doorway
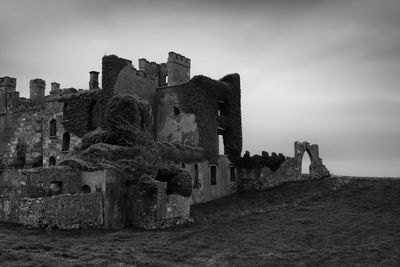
[(86, 189), (65, 111), (305, 164)]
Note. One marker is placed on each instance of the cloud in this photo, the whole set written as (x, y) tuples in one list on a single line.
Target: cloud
[(317, 70)]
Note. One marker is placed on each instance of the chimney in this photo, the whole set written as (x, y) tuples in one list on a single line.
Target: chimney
[(55, 86), (94, 80)]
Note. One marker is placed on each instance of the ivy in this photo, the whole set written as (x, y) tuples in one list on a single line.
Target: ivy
[(201, 96), (77, 119), (273, 162), (178, 181)]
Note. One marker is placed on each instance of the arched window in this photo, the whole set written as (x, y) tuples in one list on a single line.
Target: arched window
[(66, 141), (86, 189), (65, 111), (196, 183), (53, 128), (52, 161)]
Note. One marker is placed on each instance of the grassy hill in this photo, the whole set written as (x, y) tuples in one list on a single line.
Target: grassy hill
[(331, 222)]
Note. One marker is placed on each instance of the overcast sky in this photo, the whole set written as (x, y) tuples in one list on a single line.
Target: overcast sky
[(325, 71)]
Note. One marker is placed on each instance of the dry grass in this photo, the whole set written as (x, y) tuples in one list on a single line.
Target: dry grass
[(351, 222)]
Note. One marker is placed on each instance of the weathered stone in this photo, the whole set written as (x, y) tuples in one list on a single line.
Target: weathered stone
[(117, 138), (259, 178)]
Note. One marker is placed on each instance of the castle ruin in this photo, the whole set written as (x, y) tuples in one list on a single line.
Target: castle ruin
[(137, 151)]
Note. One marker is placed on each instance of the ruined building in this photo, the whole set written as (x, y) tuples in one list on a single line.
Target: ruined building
[(137, 151)]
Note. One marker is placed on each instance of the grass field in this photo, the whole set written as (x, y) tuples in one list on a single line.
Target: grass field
[(331, 222)]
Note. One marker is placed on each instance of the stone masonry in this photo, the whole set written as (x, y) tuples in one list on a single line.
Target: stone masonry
[(50, 146)]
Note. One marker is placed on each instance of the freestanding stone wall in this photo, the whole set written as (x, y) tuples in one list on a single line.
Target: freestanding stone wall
[(317, 169), (259, 179)]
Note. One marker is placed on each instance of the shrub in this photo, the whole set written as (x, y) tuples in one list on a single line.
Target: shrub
[(178, 181), (148, 185), (273, 162)]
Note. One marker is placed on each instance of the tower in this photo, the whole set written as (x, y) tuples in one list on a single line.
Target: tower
[(37, 87), (94, 80), (178, 68), (8, 96), (55, 86)]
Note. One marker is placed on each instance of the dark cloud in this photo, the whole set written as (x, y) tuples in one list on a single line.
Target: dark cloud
[(321, 70)]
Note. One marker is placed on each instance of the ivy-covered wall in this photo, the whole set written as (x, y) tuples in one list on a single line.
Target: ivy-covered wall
[(203, 96), (111, 67), (80, 109)]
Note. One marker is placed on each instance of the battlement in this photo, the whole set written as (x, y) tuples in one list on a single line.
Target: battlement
[(177, 58), (37, 83), (143, 63), (8, 81), (55, 86), (178, 69), (143, 74)]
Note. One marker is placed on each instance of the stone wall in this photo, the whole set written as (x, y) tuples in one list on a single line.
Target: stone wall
[(62, 211), (9, 205), (226, 179), (24, 138), (224, 184), (216, 110), (28, 197), (259, 179), (317, 169), (157, 210), (83, 111), (7, 130), (38, 182), (132, 81), (127, 205), (174, 125), (53, 143)]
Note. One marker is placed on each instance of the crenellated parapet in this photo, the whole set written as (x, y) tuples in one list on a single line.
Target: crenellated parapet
[(178, 68), (9, 97), (8, 83), (179, 59)]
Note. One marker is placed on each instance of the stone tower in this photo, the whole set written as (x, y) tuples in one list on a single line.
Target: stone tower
[(178, 68), (94, 80), (37, 87), (8, 96)]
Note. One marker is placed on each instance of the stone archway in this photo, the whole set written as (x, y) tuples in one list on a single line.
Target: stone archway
[(306, 163), (317, 169)]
